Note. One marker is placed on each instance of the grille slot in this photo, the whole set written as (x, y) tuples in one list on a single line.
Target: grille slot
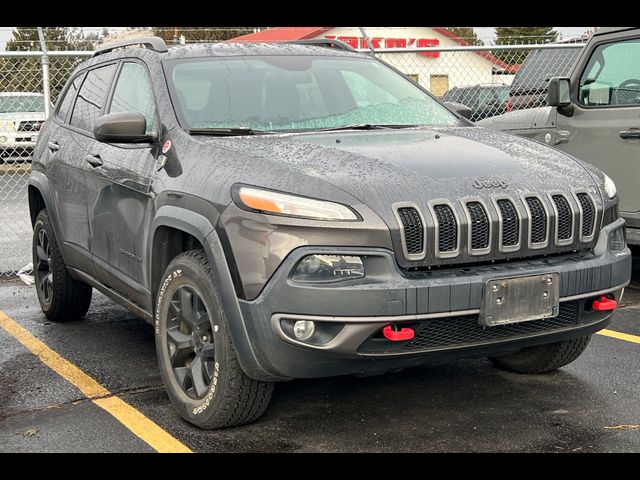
[(413, 230), (479, 226), (538, 220), (588, 214), (565, 218), (455, 331), (447, 228), (510, 223)]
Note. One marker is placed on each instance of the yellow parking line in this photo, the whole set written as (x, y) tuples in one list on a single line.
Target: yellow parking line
[(141, 426), (620, 336)]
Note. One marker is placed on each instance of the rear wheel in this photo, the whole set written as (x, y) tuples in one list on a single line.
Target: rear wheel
[(543, 358), (197, 358), (62, 298)]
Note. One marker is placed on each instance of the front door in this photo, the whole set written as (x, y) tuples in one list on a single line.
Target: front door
[(68, 145), (605, 127), (119, 184)]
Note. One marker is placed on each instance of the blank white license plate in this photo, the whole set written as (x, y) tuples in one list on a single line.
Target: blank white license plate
[(521, 299)]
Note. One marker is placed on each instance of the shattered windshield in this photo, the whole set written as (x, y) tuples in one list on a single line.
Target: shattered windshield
[(290, 93)]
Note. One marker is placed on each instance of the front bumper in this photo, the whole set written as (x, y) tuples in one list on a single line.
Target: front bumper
[(441, 305)]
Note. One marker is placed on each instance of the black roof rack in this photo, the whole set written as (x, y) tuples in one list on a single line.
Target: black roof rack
[(324, 42), (152, 43)]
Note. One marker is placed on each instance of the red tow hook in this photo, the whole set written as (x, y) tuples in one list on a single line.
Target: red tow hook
[(605, 304), (401, 335)]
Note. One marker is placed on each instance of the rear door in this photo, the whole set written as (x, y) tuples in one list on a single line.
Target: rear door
[(119, 185), (605, 127)]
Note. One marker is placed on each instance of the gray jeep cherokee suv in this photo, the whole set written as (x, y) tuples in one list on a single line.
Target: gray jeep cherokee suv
[(298, 211)]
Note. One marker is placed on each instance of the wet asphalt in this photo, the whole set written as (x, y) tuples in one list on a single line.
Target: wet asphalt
[(465, 406)]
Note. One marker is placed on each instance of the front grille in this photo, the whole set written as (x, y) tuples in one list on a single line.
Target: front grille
[(479, 226), (588, 214), (510, 223), (564, 221), (413, 230), (447, 228), (30, 126), (538, 220), (465, 330), (522, 225)]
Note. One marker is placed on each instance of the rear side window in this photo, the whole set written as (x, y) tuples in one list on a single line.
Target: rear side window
[(67, 101), (133, 93), (92, 97)]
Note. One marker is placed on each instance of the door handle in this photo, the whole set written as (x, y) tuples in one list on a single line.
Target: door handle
[(93, 160), (631, 133), (53, 146)]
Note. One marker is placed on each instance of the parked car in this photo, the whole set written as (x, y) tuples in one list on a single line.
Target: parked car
[(484, 100), (597, 117), (298, 211), (529, 87), (21, 116)]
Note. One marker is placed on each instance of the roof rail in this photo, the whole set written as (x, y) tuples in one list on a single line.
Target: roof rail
[(152, 43), (324, 42)]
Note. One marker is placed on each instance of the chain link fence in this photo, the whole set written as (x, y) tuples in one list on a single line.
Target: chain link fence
[(489, 80)]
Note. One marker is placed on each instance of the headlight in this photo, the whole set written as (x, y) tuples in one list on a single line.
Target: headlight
[(609, 186), (284, 204), (6, 126), (328, 269)]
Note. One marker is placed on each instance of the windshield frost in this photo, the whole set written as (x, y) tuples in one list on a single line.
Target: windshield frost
[(279, 93)]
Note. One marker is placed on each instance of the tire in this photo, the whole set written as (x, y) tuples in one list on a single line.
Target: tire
[(61, 298), (199, 365), (543, 358)]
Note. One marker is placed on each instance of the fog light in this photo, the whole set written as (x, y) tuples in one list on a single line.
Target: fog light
[(616, 240), (304, 329), (3, 139), (329, 268)]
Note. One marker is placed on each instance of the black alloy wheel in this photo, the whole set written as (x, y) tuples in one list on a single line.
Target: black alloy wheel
[(190, 342)]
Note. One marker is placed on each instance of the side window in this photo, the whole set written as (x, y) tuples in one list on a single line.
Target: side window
[(67, 101), (365, 92), (133, 93), (612, 76), (92, 97)]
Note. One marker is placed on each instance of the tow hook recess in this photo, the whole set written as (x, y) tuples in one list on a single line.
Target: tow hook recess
[(604, 304), (392, 333)]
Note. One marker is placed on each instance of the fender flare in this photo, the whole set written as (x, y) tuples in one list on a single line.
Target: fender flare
[(203, 230), (40, 182)]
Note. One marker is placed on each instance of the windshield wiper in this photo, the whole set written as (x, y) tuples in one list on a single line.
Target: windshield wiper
[(365, 126), (226, 132)]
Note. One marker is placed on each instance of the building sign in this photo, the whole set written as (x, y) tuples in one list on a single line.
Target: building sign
[(383, 42)]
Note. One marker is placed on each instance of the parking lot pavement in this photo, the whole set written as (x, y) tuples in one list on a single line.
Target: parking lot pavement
[(466, 406)]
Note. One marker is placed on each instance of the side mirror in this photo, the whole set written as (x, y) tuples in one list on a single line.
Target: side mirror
[(125, 127), (559, 92), (460, 109)]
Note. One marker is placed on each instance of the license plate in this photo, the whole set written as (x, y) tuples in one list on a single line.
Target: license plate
[(521, 299)]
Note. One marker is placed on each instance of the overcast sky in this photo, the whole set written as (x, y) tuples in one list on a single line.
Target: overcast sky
[(485, 33)]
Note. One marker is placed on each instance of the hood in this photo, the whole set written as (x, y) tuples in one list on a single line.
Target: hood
[(385, 168), (382, 167), (528, 119)]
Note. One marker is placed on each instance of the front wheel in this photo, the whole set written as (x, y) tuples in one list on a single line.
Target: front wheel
[(543, 358), (197, 358)]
